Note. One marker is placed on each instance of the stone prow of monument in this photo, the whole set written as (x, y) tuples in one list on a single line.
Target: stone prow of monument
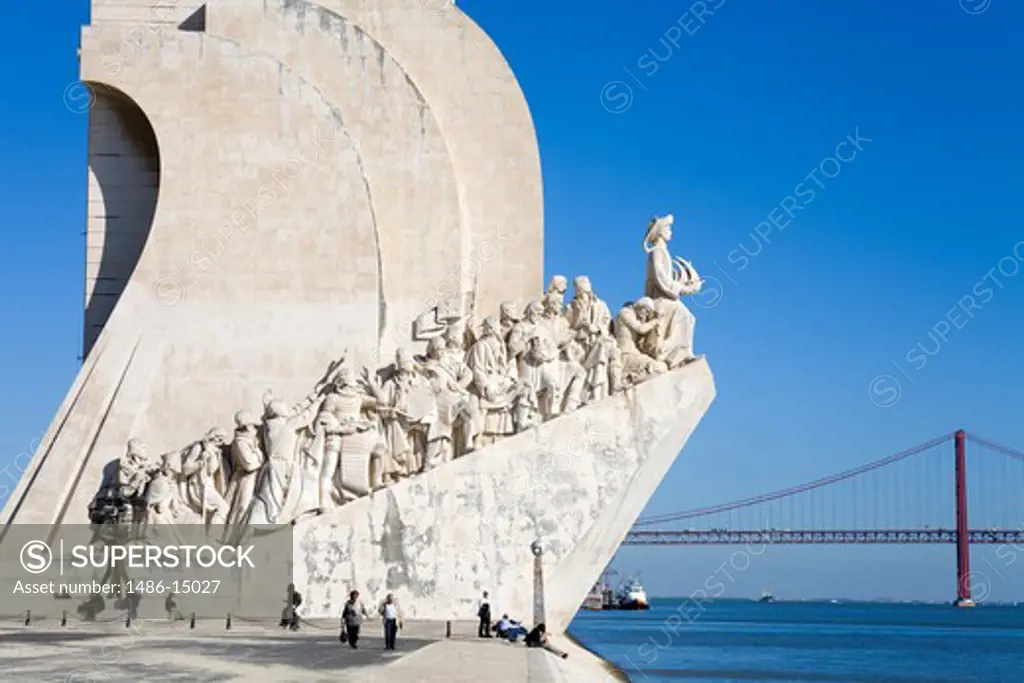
[(289, 180), (439, 539)]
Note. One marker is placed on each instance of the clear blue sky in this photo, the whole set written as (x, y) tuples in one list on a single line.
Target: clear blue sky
[(720, 131)]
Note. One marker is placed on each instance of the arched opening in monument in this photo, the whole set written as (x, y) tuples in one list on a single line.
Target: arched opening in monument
[(124, 183)]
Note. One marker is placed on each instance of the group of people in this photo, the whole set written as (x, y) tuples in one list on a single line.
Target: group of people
[(354, 612), (512, 630), (352, 615)]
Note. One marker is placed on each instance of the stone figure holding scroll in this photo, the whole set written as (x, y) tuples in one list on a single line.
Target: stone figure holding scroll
[(493, 382), (408, 411), (667, 280)]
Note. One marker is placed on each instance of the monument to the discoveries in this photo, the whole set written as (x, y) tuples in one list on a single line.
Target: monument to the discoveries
[(340, 204)]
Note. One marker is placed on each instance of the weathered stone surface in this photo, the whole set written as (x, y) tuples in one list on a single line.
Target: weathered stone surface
[(437, 540), (487, 125), (408, 167)]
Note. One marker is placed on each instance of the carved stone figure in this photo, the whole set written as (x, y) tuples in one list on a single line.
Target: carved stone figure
[(121, 497), (162, 499), (591, 321), (347, 436), (635, 326), (131, 473), (667, 280), (554, 376), (508, 317), (325, 453), (246, 461), (457, 412), (521, 334), (558, 328), (408, 412), (493, 382), (526, 411), (383, 470), (458, 337), (202, 477), (279, 491), (559, 285)]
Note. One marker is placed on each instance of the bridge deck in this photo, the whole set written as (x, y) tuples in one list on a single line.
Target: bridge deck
[(823, 537)]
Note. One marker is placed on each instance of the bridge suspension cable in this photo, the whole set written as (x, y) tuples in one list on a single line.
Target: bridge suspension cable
[(818, 483)]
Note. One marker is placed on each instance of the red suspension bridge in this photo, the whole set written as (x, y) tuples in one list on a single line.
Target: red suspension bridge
[(918, 495)]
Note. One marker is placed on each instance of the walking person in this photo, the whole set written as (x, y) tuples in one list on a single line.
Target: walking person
[(352, 619), (483, 611), (391, 613), (290, 615)]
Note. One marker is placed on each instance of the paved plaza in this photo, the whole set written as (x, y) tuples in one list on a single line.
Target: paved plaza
[(87, 653)]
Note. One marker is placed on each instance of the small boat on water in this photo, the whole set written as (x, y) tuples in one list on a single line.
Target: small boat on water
[(766, 596), (601, 595), (632, 596), (595, 598)]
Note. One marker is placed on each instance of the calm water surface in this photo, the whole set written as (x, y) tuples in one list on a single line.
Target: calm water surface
[(832, 643)]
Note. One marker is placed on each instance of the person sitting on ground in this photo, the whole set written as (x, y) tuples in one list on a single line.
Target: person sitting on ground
[(501, 628), (515, 631), (538, 637)]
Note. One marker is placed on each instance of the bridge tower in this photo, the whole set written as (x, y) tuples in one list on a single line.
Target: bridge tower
[(963, 543)]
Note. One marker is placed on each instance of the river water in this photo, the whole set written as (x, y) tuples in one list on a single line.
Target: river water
[(743, 641)]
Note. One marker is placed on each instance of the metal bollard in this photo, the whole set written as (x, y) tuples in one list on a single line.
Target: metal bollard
[(63, 617), (227, 626), (128, 620), (192, 621), (28, 617), (448, 629)]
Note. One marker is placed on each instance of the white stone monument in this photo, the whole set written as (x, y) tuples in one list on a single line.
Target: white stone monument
[(340, 204)]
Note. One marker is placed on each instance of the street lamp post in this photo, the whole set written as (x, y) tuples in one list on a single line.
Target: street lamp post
[(538, 548)]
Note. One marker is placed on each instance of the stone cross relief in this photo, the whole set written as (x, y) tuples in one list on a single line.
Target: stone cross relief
[(359, 431)]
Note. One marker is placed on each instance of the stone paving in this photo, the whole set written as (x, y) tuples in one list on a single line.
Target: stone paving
[(94, 652)]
